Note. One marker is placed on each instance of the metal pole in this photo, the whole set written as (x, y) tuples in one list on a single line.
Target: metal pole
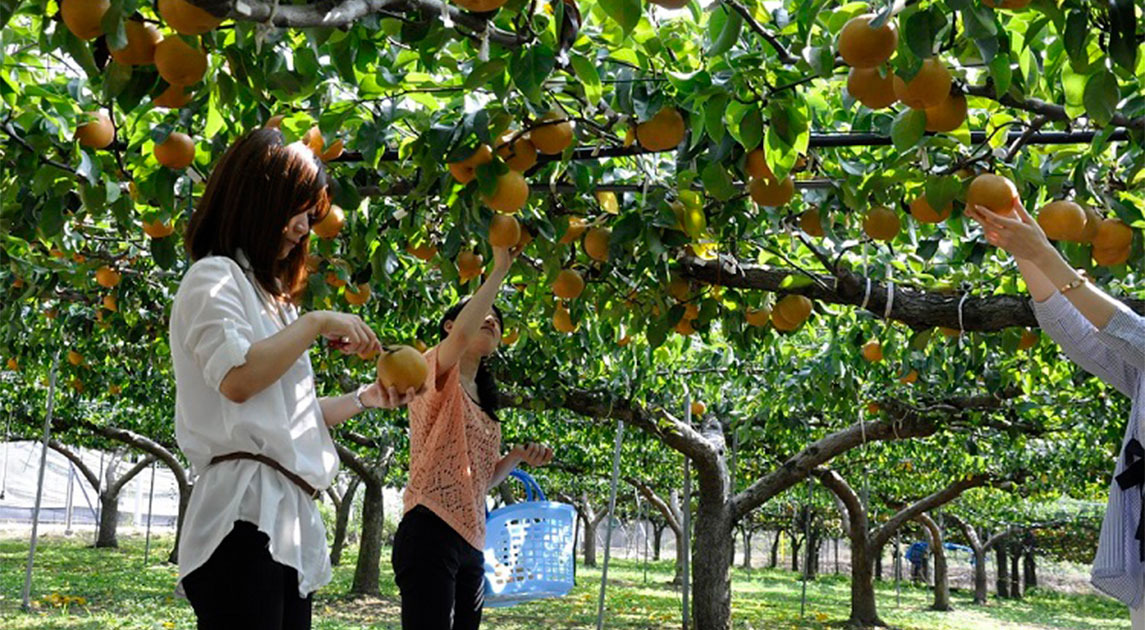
[(7, 442), (898, 570), (687, 511), (98, 498), (807, 548), (608, 524), (70, 500), (26, 604), (150, 502), (647, 523)]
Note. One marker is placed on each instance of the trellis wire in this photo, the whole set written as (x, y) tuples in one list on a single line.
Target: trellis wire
[(608, 527)]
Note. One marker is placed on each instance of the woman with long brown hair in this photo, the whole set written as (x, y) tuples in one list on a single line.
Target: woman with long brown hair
[(247, 413)]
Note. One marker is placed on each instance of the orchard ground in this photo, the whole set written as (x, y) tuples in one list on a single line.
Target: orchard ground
[(77, 587)]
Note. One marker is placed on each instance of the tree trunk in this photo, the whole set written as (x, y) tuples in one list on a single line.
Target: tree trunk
[(108, 520), (681, 556), (184, 501), (863, 608), (980, 579), (1015, 573), (367, 570), (659, 535), (590, 542), (1002, 580), (811, 562), (747, 548), (342, 520), (773, 558), (1029, 565), (879, 565), (712, 562), (714, 549), (941, 585), (796, 545)]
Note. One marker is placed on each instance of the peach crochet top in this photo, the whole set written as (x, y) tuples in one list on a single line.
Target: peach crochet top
[(454, 447)]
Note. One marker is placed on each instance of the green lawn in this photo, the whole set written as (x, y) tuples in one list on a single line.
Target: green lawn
[(80, 588)]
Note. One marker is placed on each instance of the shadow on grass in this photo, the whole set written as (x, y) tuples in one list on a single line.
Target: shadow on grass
[(118, 591)]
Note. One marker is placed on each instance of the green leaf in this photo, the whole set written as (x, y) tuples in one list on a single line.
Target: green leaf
[(908, 128), (52, 217), (163, 251), (113, 28), (714, 116), (531, 68), (717, 182), (1001, 72), (1101, 97), (822, 60), (483, 72), (751, 127), (1076, 33), (941, 190), (626, 13), (1122, 38), (921, 30), (729, 34), (589, 77), (795, 281)]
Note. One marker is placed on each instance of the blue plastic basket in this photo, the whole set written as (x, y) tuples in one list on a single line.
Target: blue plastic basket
[(529, 549)]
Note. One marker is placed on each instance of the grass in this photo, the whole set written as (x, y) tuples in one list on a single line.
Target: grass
[(78, 588)]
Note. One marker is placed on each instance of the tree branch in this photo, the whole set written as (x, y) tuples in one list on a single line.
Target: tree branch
[(344, 13), (854, 517), (147, 445), (11, 131), (1049, 110), (785, 57), (142, 464), (88, 474), (883, 533), (661, 424), (902, 422), (660, 504), (914, 307)]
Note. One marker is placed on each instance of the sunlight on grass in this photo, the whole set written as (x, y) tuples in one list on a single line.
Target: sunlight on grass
[(76, 587)]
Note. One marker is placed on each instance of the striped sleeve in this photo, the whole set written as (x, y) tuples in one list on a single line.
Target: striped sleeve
[(1125, 335), (1090, 348)]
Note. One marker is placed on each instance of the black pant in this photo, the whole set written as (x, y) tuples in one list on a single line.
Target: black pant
[(242, 588), (441, 577)]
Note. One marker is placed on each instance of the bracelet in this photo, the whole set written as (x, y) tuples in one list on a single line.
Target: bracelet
[(358, 399), (1072, 284)]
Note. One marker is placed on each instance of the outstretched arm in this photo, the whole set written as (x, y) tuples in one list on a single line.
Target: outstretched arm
[(469, 320)]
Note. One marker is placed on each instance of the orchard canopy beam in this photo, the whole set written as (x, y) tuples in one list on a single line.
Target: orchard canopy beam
[(344, 13), (912, 306), (817, 140)]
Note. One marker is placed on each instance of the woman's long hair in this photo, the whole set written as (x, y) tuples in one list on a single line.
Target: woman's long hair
[(487, 393), (256, 188)]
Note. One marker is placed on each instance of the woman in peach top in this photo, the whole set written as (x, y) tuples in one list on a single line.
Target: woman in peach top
[(455, 445)]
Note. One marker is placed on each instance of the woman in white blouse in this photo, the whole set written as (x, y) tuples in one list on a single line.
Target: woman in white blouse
[(247, 413), (1107, 339)]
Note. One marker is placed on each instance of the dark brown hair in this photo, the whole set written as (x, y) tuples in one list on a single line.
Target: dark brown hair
[(488, 394), (253, 192)]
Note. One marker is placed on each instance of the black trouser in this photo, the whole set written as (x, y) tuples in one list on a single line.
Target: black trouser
[(441, 577), (242, 588)]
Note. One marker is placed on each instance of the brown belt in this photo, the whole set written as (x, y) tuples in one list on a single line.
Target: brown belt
[(310, 490)]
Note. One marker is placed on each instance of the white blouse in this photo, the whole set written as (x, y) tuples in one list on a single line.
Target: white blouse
[(1116, 355), (217, 314)]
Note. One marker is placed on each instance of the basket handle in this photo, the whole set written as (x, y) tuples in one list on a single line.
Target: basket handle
[(531, 486)]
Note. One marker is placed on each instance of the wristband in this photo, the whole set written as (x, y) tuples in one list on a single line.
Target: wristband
[(358, 398), (1072, 284)]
